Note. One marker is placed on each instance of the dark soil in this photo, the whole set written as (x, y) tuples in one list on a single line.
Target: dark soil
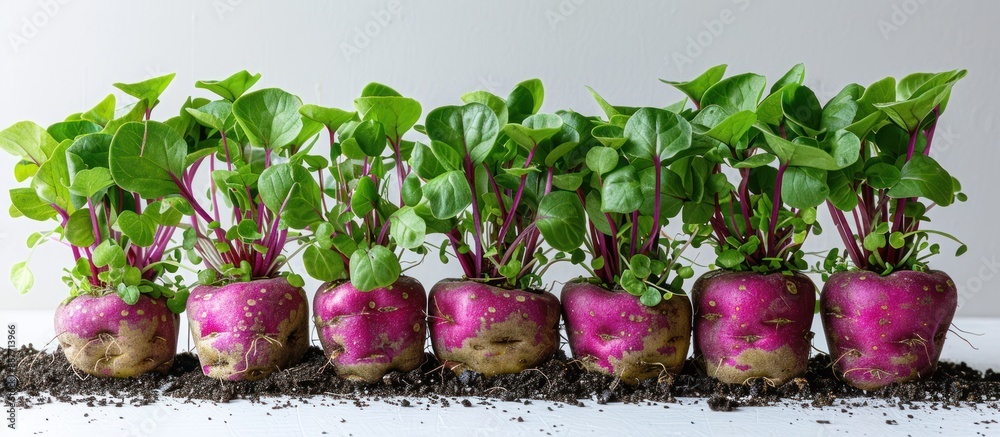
[(47, 377)]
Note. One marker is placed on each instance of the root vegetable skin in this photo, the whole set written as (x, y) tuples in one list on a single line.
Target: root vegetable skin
[(612, 332), (886, 329), (748, 325), (367, 334), (106, 337), (492, 330), (246, 330)]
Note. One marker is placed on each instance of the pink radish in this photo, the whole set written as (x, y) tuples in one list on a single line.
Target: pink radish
[(748, 325), (492, 330), (886, 329), (367, 334), (106, 337), (612, 332), (246, 330)]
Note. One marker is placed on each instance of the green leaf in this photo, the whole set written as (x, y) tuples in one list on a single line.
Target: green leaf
[(396, 114), (609, 109), (874, 241), (332, 118), (534, 129), (28, 141), (79, 229), (561, 220), (909, 114), (376, 89), (448, 194), (52, 180), (526, 99), (601, 160), (102, 113), (27, 203), (24, 170), (842, 195), (148, 90), (640, 266), (470, 130), (804, 187), (730, 258), (498, 105), (882, 175), (92, 182), (696, 88), (622, 191), (232, 87), (290, 190), (795, 76), (70, 130), (148, 158), (323, 264), (365, 197), (407, 228), (212, 115), (737, 93), (631, 284), (896, 240), (651, 298), (758, 160), (658, 133), (374, 268), (412, 193), (733, 128), (128, 293), (269, 117), (21, 277), (178, 302), (836, 152), (922, 176), (424, 163), (370, 137), (139, 229)]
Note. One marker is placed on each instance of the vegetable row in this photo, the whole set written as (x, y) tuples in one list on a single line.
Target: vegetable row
[(230, 188)]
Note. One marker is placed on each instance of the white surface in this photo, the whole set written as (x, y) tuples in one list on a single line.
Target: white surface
[(435, 51), (689, 417)]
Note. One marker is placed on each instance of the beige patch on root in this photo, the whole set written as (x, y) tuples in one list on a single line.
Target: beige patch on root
[(292, 337), (778, 366), (134, 351), (505, 347), (408, 359), (635, 366)]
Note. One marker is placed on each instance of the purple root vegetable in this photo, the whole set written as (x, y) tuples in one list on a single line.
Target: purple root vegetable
[(106, 337), (492, 330), (612, 332), (246, 330), (886, 329), (367, 334), (748, 325)]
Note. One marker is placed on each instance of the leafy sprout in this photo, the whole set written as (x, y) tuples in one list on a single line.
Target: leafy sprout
[(364, 232), (879, 202), (496, 185), (121, 243)]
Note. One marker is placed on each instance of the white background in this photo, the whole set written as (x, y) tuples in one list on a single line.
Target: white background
[(59, 57)]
